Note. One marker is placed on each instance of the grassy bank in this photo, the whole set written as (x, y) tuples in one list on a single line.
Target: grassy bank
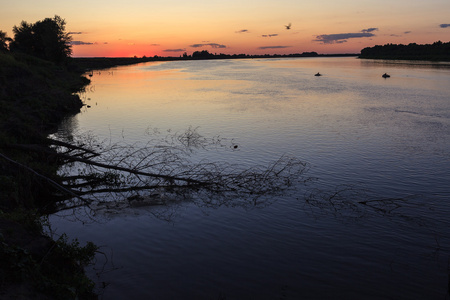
[(35, 96)]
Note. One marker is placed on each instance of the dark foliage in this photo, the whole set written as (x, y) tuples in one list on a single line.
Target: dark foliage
[(4, 41), (33, 266), (202, 54), (46, 39), (35, 95), (437, 51)]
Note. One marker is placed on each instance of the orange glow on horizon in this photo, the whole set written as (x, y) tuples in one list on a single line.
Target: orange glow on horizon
[(140, 28)]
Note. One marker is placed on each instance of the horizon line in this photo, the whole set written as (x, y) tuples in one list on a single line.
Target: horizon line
[(242, 55)]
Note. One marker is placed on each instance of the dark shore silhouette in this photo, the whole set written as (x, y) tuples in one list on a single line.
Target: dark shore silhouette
[(93, 63), (437, 51)]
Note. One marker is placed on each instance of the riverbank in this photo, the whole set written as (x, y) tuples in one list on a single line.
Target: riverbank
[(35, 96)]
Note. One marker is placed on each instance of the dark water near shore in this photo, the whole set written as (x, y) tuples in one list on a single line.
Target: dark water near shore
[(383, 142)]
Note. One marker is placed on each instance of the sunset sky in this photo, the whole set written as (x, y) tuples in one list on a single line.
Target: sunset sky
[(111, 28)]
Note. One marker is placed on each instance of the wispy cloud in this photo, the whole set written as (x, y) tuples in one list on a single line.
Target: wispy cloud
[(155, 45), (444, 25), (270, 35), (400, 35), (369, 29), (174, 50), (79, 43), (242, 31), (76, 32), (340, 38), (273, 47), (212, 45)]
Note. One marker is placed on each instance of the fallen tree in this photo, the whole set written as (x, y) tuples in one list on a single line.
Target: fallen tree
[(92, 172)]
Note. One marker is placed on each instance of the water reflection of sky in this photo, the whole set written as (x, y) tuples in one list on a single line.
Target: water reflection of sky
[(387, 136), (273, 104), (349, 119)]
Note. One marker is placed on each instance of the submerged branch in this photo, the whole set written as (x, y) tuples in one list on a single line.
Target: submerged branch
[(119, 172), (355, 202), (101, 165), (70, 146)]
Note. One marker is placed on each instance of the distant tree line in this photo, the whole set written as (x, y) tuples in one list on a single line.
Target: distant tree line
[(46, 39), (204, 54), (95, 63), (437, 51)]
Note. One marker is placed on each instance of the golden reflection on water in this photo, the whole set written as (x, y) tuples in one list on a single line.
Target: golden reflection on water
[(262, 100), (132, 99), (129, 95)]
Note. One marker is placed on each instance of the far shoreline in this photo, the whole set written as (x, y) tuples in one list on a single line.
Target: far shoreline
[(98, 63), (390, 52)]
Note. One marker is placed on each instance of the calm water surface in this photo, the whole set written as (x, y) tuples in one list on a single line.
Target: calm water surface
[(387, 139)]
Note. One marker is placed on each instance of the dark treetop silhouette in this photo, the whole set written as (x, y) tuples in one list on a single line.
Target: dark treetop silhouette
[(437, 51)]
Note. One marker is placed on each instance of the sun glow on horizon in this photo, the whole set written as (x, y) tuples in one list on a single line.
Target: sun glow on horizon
[(138, 28)]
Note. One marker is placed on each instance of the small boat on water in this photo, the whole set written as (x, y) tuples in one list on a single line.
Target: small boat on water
[(318, 74), (385, 75)]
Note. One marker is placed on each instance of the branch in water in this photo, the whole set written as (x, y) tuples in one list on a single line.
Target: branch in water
[(121, 171)]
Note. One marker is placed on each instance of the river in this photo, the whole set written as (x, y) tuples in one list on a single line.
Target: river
[(371, 223)]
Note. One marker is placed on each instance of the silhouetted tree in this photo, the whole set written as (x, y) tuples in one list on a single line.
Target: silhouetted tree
[(202, 54), (46, 39), (4, 41)]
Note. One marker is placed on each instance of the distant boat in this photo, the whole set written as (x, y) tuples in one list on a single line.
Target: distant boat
[(318, 74), (385, 75)]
